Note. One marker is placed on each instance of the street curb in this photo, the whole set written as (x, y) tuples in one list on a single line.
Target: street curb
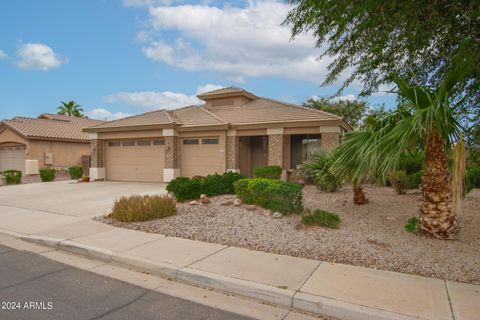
[(294, 300)]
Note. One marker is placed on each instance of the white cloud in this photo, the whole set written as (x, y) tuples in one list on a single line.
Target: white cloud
[(235, 42), (348, 97), (104, 114), (3, 55), (151, 100), (38, 56)]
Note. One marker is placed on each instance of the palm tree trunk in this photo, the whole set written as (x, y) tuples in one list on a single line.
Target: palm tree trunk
[(437, 217), (359, 197)]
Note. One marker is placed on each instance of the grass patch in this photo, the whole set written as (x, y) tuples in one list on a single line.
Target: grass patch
[(412, 225), (322, 218), (143, 208)]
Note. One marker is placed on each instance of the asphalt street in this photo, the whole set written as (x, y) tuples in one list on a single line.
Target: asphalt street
[(34, 287)]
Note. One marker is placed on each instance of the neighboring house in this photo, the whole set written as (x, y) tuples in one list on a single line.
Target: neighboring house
[(233, 131), (28, 144)]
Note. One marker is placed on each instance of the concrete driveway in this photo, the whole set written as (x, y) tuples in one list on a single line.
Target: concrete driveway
[(71, 198)]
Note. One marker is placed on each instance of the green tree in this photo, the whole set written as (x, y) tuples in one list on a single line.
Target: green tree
[(351, 110), (415, 40), (426, 118), (70, 108)]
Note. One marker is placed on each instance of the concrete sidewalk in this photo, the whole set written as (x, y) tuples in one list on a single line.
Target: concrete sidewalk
[(335, 290)]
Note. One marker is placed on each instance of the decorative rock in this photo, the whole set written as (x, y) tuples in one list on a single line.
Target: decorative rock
[(237, 202), (227, 203), (205, 199), (192, 203), (251, 207), (277, 215), (267, 213), (203, 196)]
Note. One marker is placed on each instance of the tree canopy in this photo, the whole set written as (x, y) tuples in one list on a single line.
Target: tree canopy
[(353, 111), (70, 108), (378, 40)]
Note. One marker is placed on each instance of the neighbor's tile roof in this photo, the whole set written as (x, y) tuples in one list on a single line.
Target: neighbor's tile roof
[(51, 126), (266, 110)]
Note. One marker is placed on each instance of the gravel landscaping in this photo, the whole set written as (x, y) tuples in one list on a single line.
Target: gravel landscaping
[(371, 235)]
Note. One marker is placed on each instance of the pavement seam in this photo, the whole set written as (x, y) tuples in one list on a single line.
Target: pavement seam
[(208, 256), (303, 283), (34, 278), (449, 300), (122, 306), (37, 210)]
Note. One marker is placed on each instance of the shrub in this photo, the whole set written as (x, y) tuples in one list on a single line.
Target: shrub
[(185, 188), (12, 176), (47, 174), (75, 172), (414, 180), (322, 218), (319, 168), (143, 208), (469, 182), (399, 181), (268, 172), (276, 195), (412, 162), (412, 225), (475, 176)]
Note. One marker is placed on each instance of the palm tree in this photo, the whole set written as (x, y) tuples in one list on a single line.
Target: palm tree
[(70, 108), (428, 120)]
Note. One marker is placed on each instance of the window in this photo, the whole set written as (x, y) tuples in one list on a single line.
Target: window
[(158, 142), (142, 143), (128, 143), (210, 141), (302, 146), (190, 141), (114, 144)]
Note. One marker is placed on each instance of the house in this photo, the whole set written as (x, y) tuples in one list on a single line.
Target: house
[(28, 144), (234, 130)]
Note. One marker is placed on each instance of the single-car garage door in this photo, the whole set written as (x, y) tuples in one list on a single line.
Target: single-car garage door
[(201, 156), (135, 160), (12, 157)]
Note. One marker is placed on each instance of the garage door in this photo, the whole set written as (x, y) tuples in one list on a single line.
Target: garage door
[(12, 158), (201, 156), (135, 160)]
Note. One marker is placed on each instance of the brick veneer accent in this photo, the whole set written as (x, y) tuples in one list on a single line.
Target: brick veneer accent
[(233, 152), (171, 152), (275, 150), (330, 141), (97, 151)]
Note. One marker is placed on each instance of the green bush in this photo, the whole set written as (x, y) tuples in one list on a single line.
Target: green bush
[(399, 181), (319, 169), (268, 172), (469, 182), (414, 180), (276, 195), (47, 174), (75, 172), (143, 208), (322, 218), (412, 225), (186, 189), (475, 176), (412, 162), (12, 176)]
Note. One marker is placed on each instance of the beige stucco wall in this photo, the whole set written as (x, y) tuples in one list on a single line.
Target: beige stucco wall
[(7, 135), (65, 154)]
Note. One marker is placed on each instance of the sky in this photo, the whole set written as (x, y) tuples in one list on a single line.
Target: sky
[(124, 57)]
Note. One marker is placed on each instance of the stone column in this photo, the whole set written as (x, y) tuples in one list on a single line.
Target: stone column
[(330, 137), (172, 149), (276, 146), (233, 151), (97, 150)]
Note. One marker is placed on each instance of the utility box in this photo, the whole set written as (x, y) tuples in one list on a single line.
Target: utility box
[(48, 158)]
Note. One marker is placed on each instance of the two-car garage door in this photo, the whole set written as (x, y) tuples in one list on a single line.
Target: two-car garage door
[(135, 160), (12, 157)]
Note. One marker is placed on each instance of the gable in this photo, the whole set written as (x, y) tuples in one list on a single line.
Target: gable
[(8, 135)]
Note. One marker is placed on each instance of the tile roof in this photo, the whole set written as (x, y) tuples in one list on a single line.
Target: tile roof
[(51, 127), (256, 111)]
